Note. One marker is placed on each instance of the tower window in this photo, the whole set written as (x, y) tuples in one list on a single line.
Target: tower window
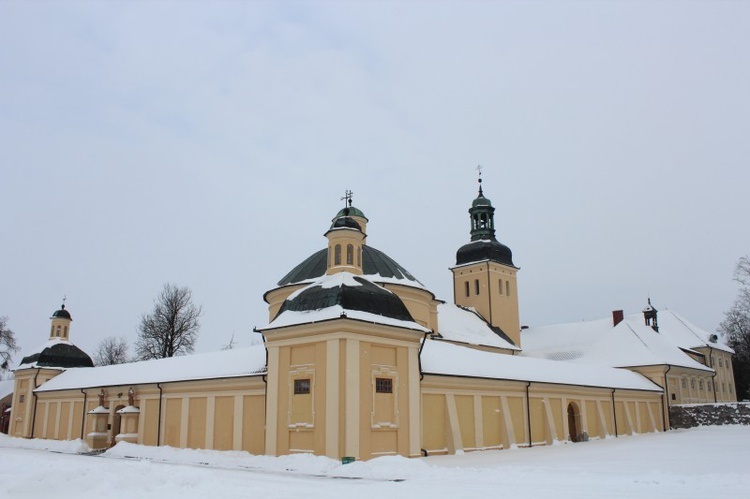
[(476, 286), (383, 385), (65, 331), (57, 333), (337, 255), (359, 256), (501, 286), (466, 285), (507, 288), (349, 254), (301, 386)]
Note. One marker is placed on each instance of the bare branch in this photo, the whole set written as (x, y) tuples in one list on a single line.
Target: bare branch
[(8, 345), (111, 351), (172, 327)]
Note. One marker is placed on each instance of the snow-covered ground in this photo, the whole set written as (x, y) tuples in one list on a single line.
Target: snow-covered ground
[(703, 462)]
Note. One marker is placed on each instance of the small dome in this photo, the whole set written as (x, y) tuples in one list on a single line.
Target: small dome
[(481, 201), (62, 314), (477, 251), (352, 293), (347, 222), (351, 211)]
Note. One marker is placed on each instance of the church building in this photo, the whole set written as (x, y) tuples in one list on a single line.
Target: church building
[(360, 360)]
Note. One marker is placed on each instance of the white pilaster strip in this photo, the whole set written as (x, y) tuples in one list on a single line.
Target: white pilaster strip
[(332, 399), (210, 415), (351, 404), (272, 402)]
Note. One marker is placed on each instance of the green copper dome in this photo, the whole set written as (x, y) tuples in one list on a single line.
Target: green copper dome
[(351, 211), (481, 201)]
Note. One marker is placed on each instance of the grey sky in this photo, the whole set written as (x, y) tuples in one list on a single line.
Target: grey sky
[(208, 144)]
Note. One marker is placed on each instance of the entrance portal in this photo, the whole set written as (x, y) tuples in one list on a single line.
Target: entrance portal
[(574, 420)]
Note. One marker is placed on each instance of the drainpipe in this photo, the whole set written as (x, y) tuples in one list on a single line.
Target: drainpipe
[(713, 378), (419, 355), (33, 393), (666, 395), (83, 417), (528, 412), (614, 411), (158, 425)]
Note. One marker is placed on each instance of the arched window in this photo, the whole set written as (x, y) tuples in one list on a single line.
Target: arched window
[(65, 331), (483, 221), (337, 255), (507, 288), (349, 254), (57, 333), (359, 256)]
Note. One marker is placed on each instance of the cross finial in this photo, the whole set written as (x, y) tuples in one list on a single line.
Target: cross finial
[(65, 297), (347, 199), (479, 174)]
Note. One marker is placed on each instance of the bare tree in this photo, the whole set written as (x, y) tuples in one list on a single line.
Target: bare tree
[(111, 351), (172, 327), (736, 329), (8, 344)]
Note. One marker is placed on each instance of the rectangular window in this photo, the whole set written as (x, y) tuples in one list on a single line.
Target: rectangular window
[(301, 386), (383, 385), (21, 398), (507, 288), (467, 288), (674, 397), (476, 286)]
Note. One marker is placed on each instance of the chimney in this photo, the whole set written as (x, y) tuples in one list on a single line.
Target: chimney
[(617, 317)]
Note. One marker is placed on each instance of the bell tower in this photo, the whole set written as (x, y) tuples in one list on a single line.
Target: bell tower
[(61, 320), (346, 239), (484, 277)]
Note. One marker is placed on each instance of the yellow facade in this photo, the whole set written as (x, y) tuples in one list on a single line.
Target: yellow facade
[(353, 387)]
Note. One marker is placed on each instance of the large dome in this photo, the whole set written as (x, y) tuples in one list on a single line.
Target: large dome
[(59, 354), (477, 251), (351, 293), (375, 263)]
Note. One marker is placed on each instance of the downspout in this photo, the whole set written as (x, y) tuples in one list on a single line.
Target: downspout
[(83, 416), (419, 355), (528, 412), (614, 411), (666, 394), (158, 423), (33, 415), (713, 378)]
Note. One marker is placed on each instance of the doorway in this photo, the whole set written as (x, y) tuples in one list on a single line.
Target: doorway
[(574, 422)]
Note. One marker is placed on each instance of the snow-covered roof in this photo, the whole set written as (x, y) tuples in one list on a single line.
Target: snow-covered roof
[(686, 334), (631, 343), (39, 349), (223, 364), (368, 301), (466, 326), (440, 357)]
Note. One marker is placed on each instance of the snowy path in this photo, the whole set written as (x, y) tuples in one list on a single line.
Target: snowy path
[(699, 463)]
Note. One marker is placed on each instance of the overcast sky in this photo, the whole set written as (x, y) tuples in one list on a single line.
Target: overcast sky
[(208, 144)]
